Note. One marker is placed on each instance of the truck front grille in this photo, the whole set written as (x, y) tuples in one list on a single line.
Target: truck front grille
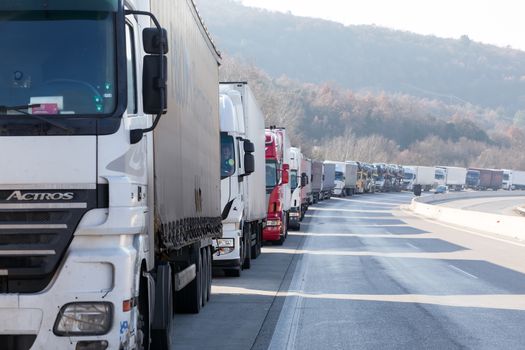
[(34, 236)]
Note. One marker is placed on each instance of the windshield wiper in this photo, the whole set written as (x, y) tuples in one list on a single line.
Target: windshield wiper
[(21, 109)]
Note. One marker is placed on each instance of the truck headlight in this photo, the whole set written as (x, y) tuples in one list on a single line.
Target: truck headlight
[(224, 246), (273, 222), (225, 243), (84, 318)]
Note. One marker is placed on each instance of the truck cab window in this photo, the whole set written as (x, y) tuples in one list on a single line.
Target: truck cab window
[(131, 70), (272, 178), (293, 179), (62, 60), (227, 156)]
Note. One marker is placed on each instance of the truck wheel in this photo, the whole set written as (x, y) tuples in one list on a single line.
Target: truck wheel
[(204, 277), (248, 252), (143, 321), (160, 333), (287, 218), (256, 249), (210, 269), (189, 299)]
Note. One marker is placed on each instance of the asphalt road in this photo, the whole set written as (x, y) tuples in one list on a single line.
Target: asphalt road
[(503, 205), (364, 274)]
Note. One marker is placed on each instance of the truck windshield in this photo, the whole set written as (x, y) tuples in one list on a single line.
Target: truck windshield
[(339, 176), (293, 179), (271, 174), (409, 176), (61, 60), (472, 175), (227, 156), (505, 177)]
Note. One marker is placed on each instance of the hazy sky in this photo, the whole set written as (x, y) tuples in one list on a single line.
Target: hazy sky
[(499, 22)]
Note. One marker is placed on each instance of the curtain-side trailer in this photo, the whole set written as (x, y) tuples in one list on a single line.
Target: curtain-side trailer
[(126, 210)]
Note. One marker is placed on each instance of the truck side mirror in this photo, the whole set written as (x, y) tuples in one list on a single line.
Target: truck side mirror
[(249, 147), (155, 41), (249, 163), (154, 92), (286, 174), (304, 179), (155, 73)]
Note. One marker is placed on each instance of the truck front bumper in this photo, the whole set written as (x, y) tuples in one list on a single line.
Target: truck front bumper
[(273, 233), (295, 217), (228, 249), (95, 270)]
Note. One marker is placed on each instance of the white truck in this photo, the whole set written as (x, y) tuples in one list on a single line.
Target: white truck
[(422, 176), (456, 177), (342, 185), (243, 198), (306, 175), (296, 185), (513, 179), (440, 177), (107, 219)]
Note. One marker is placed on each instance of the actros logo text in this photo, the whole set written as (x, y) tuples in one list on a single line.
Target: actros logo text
[(18, 195)]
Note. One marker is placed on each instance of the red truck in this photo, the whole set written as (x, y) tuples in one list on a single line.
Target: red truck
[(489, 178), (278, 193)]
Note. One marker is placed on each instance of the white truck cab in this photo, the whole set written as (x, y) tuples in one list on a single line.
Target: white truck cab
[(243, 198)]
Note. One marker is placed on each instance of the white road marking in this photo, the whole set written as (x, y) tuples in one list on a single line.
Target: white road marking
[(462, 271), (413, 246)]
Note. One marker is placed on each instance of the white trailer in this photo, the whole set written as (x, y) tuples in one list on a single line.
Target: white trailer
[(243, 198), (518, 180), (328, 180), (306, 175), (351, 178), (425, 177), (317, 180), (130, 209), (455, 177)]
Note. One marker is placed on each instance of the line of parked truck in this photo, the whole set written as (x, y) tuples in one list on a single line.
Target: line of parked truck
[(458, 178), (113, 210)]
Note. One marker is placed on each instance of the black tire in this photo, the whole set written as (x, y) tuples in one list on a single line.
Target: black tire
[(161, 338), (248, 252), (232, 272), (204, 277), (210, 273), (143, 321), (256, 249), (189, 299)]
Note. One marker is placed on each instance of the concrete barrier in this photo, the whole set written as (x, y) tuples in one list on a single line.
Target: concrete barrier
[(504, 225)]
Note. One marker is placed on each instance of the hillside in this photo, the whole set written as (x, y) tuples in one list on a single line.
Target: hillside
[(369, 58)]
